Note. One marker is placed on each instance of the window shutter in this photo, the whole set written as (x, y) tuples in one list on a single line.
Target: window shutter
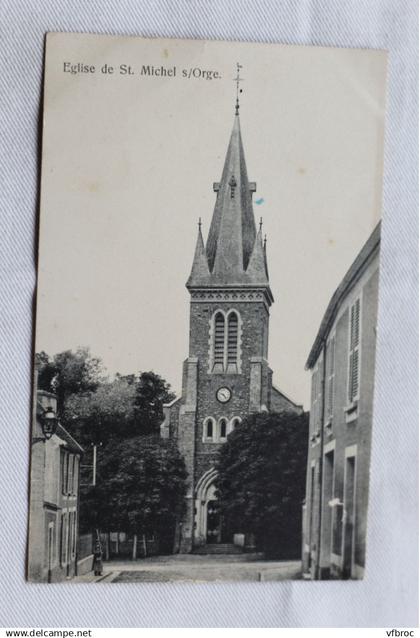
[(330, 376), (350, 396), (355, 380), (356, 323), (354, 353)]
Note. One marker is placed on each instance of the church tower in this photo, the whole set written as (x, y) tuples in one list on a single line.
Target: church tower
[(226, 375)]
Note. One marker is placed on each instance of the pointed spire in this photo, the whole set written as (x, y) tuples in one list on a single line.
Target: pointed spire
[(256, 271), (200, 270), (232, 232), (265, 256)]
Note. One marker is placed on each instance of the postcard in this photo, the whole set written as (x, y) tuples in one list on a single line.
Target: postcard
[(206, 310)]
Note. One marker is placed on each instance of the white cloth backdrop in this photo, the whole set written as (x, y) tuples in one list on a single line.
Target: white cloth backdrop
[(388, 595)]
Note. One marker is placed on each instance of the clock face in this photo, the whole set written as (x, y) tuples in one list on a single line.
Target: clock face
[(223, 395)]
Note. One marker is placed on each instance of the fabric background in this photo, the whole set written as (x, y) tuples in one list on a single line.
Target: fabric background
[(388, 595)]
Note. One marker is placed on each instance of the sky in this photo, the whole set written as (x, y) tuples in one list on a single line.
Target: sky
[(128, 167)]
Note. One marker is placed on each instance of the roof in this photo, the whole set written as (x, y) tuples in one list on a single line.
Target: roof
[(69, 440), (348, 281), (234, 254), (296, 405), (171, 403)]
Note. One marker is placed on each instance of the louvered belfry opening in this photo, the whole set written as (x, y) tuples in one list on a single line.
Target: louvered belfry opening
[(219, 341), (232, 354)]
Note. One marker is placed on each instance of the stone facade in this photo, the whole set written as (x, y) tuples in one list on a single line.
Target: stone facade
[(226, 375), (335, 516)]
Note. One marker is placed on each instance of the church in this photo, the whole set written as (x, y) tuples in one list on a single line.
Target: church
[(226, 375)]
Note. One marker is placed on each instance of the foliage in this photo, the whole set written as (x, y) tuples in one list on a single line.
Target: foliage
[(102, 415), (118, 409), (140, 480), (151, 393), (68, 373), (140, 487), (261, 480)]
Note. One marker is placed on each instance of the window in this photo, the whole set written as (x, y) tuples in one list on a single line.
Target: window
[(316, 398), (222, 428), (208, 429), (224, 339), (330, 370), (328, 496), (76, 474), (70, 474), (354, 352), (235, 422), (63, 544), (72, 534), (64, 469)]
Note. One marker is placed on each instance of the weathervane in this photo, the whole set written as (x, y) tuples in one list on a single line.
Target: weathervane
[(238, 90)]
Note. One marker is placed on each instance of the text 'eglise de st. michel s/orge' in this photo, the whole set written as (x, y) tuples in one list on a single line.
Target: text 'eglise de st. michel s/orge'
[(148, 70)]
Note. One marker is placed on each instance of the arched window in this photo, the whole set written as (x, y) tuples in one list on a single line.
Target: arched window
[(232, 342), (219, 342), (222, 428), (235, 422), (225, 331), (208, 429)]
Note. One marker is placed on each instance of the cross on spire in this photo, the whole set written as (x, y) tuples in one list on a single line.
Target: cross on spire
[(238, 90)]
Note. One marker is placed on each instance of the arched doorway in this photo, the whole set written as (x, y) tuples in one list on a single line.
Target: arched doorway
[(208, 522)]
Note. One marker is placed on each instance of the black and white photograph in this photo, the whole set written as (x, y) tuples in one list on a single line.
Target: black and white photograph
[(206, 314)]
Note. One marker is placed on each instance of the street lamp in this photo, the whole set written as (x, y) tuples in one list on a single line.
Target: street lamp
[(49, 422)]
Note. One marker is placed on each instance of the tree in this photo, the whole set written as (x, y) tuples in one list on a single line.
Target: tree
[(68, 373), (140, 489), (151, 393), (104, 415), (261, 480)]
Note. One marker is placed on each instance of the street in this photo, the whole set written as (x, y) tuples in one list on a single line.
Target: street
[(195, 568)]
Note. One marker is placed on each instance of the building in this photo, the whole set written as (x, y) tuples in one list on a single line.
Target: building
[(342, 363), (226, 375), (54, 498)]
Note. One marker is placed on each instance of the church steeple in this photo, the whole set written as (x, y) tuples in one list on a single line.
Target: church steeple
[(234, 252), (232, 231), (200, 269)]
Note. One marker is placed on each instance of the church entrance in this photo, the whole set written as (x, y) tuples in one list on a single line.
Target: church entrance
[(208, 523), (213, 522)]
